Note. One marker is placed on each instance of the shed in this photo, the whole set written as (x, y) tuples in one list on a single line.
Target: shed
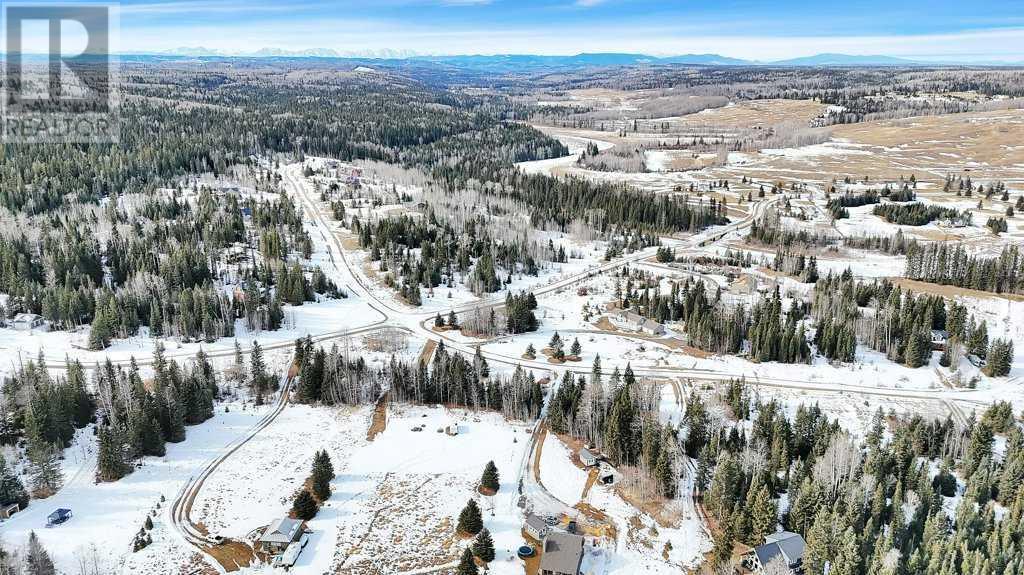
[(280, 534), (7, 510), (563, 554), (939, 339), (588, 457), (28, 321), (536, 527)]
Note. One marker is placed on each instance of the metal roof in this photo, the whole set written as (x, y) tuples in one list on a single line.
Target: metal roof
[(282, 530)]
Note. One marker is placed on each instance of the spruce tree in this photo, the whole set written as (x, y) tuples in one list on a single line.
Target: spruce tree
[(110, 460), (467, 566), (37, 559), (470, 519), (483, 546), (321, 476), (304, 506), (490, 480), (11, 488)]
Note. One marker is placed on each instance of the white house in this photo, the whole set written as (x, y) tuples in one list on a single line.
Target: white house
[(536, 527), (652, 327), (625, 319), (630, 321)]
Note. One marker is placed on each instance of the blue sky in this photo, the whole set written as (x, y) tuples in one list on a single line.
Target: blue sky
[(978, 30)]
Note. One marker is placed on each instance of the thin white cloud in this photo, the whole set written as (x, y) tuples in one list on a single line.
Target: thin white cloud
[(344, 34)]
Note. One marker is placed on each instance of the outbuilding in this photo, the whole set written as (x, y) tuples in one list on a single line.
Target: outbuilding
[(588, 458), (29, 322), (7, 510)]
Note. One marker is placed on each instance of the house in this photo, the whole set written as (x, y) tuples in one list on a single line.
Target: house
[(536, 527), (7, 510), (28, 322), (588, 458), (563, 554), (57, 517), (939, 339), (651, 327), (280, 534), (784, 545), (627, 320)]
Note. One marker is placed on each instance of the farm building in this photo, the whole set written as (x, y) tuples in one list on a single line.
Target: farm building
[(28, 322), (280, 534), (563, 554), (588, 458), (7, 510), (536, 527), (783, 546)]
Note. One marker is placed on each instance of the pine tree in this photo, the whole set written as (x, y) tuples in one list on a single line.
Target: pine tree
[(490, 480), (470, 520), (321, 476), (37, 559), (11, 488), (575, 349), (111, 462), (467, 566), (483, 546), (304, 507), (43, 465)]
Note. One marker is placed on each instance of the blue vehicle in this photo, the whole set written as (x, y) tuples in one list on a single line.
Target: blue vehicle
[(57, 517)]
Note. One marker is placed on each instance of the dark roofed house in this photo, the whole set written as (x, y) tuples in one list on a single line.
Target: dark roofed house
[(785, 546), (563, 554), (279, 534)]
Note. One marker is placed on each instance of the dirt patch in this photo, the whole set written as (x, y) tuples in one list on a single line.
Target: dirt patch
[(660, 509), (379, 421), (428, 351), (602, 526), (591, 480), (232, 555)]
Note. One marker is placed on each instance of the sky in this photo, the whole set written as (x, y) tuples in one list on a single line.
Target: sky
[(981, 30)]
